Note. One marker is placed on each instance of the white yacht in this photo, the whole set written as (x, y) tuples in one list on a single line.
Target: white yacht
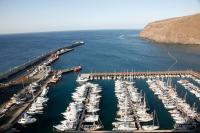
[(26, 119), (81, 80), (124, 126), (44, 91), (154, 126), (71, 116), (91, 123)]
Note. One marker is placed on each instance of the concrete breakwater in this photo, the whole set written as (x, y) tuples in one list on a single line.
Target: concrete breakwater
[(6, 75)]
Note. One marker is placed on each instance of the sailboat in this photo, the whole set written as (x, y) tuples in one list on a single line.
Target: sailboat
[(142, 112), (152, 127), (126, 121)]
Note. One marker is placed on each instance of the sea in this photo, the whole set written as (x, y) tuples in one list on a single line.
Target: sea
[(104, 51)]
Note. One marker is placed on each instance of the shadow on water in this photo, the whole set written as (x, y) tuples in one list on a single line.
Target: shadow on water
[(7, 93), (59, 98), (102, 52), (154, 103), (108, 103)]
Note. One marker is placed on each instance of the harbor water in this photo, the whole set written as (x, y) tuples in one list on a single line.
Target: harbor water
[(104, 51)]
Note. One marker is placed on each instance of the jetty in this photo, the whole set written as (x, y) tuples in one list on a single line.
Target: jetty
[(82, 116), (72, 69), (36, 71), (116, 75), (19, 74), (15, 111)]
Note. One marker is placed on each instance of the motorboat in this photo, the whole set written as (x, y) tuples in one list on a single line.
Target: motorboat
[(44, 91), (81, 80), (91, 123), (26, 119), (124, 126), (153, 126)]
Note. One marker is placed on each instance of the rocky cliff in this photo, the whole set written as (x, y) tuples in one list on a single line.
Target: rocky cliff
[(182, 30)]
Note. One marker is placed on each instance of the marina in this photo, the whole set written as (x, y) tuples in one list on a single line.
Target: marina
[(21, 74), (133, 112), (110, 66), (190, 87), (85, 108), (29, 101), (32, 98), (125, 97)]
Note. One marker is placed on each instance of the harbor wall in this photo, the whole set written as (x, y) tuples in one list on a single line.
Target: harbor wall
[(5, 76)]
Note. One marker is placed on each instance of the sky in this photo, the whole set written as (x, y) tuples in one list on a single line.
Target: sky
[(19, 16)]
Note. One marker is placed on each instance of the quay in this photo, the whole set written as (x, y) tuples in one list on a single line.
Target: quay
[(72, 69), (19, 74), (114, 75), (14, 113), (16, 70)]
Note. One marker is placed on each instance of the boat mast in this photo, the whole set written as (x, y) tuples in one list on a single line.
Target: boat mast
[(153, 117), (144, 101), (185, 96), (194, 107), (157, 119), (126, 110)]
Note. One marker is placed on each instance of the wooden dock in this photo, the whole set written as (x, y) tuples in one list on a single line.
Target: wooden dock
[(113, 75)]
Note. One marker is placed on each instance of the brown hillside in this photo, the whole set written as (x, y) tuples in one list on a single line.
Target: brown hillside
[(183, 30)]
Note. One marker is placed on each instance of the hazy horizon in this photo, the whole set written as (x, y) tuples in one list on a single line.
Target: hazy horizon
[(27, 16), (33, 32)]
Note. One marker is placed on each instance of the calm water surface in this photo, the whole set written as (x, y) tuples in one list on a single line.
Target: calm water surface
[(105, 50)]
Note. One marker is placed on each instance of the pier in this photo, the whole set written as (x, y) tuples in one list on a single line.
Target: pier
[(82, 116), (15, 112), (72, 69), (137, 122), (116, 75), (19, 74)]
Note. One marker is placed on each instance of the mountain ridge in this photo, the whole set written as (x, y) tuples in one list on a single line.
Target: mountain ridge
[(179, 30)]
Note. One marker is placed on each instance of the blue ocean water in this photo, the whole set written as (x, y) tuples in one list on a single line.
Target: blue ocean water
[(104, 50)]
